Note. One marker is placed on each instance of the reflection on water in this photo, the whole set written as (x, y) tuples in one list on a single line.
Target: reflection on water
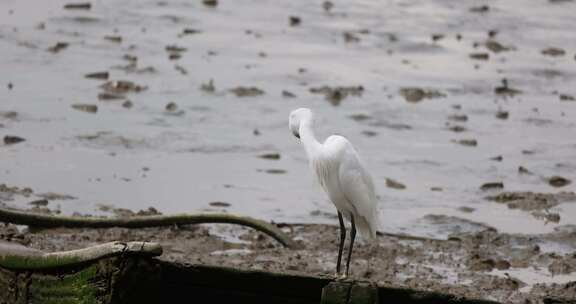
[(204, 147)]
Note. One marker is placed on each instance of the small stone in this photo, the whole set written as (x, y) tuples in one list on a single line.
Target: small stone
[(11, 139), (287, 94), (480, 56), (554, 52), (492, 186), (89, 108), (127, 104), (208, 87), (78, 6), (98, 75), (502, 114), (558, 181), (39, 203), (247, 91), (295, 21), (391, 183), (210, 3), (171, 107), (480, 9), (58, 47), (115, 39), (219, 204), (274, 156), (467, 142)]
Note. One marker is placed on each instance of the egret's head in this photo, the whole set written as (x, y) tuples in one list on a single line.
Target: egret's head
[(296, 117)]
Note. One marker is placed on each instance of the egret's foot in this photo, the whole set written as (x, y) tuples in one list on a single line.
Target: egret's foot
[(340, 276)]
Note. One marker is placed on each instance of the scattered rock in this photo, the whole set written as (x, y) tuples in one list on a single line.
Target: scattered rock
[(492, 186), (210, 3), (467, 142), (110, 96), (530, 201), (558, 181), (502, 114), (458, 117), (127, 104), (148, 212), (51, 196), (360, 117), (498, 158), (98, 75), (369, 133), (335, 95), (59, 46), (11, 139), (121, 87), (190, 31), (327, 6), (39, 203), (171, 107), (496, 47), (394, 184), (506, 90), (554, 52), (89, 108), (480, 56), (480, 9), (78, 6), (247, 91), (294, 21), (288, 94), (466, 209), (565, 97), (274, 156), (523, 170), (350, 37), (219, 204), (414, 94), (181, 69), (113, 38), (457, 128), (275, 171), (208, 87), (436, 189)]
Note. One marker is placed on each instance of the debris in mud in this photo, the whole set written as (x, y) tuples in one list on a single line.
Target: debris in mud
[(502, 114), (437, 37), (171, 107), (480, 9), (458, 117), (113, 38), (394, 184), (274, 156), (466, 142), (530, 201), (274, 171), (79, 6), (506, 90), (294, 20), (89, 108), (208, 87), (210, 3), (414, 95), (360, 117), (174, 51), (523, 170), (369, 133), (148, 212), (189, 31), (496, 47), (498, 158), (566, 97), (11, 139), (51, 196), (564, 265), (219, 204), (350, 37), (98, 75), (288, 94), (335, 95), (492, 186), (122, 87), (127, 104), (110, 96), (558, 181), (548, 217), (247, 91), (39, 203), (456, 128), (59, 46), (480, 56), (553, 51), (466, 209)]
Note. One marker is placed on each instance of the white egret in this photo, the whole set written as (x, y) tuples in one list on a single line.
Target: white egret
[(342, 176)]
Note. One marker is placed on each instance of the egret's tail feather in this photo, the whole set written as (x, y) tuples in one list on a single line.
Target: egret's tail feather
[(367, 229)]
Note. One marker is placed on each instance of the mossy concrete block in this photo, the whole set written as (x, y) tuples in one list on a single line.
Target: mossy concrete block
[(344, 292)]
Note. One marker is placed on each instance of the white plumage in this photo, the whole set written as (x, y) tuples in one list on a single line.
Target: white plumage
[(341, 174)]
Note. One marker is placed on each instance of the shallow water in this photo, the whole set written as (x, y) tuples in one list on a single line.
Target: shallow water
[(180, 162)]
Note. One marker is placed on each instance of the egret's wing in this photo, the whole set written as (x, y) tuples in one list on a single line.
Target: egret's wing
[(357, 186)]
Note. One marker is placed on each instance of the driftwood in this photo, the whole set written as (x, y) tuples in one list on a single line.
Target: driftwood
[(50, 221)]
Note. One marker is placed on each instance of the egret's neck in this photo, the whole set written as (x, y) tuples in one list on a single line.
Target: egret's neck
[(311, 145)]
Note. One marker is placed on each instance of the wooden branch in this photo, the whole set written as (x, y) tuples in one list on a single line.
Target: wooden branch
[(17, 257), (50, 221)]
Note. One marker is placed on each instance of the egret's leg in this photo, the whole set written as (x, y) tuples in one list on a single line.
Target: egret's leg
[(352, 237), (342, 239)]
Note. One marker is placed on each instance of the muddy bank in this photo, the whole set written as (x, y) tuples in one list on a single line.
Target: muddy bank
[(484, 264)]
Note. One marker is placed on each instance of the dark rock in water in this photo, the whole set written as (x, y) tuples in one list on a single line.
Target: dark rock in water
[(89, 108), (121, 87), (502, 114), (39, 203), (523, 170), (466, 209), (502, 265), (496, 47), (530, 201), (98, 75), (480, 56), (78, 6), (456, 128), (190, 31), (566, 97), (288, 94), (171, 107), (210, 3), (554, 52), (113, 38), (492, 185), (369, 133), (110, 96), (208, 87), (480, 9), (148, 212), (274, 156), (327, 6), (294, 20), (436, 189), (51, 196), (335, 95), (391, 183), (127, 104), (497, 158), (275, 171), (10, 139), (219, 204), (247, 91), (350, 37), (414, 95), (360, 116), (58, 47), (558, 181), (467, 142), (506, 90), (458, 117)]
